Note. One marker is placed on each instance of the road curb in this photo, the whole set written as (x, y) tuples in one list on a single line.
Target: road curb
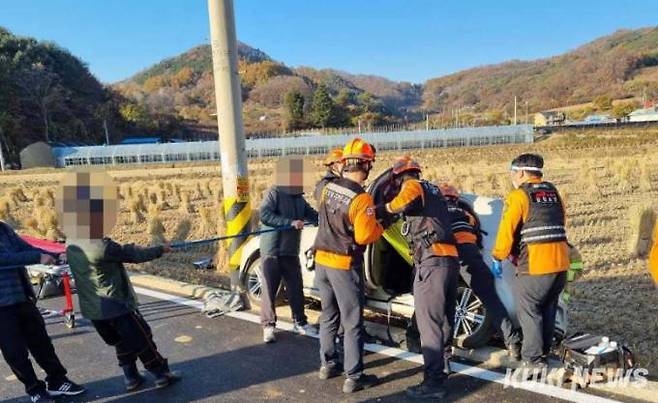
[(487, 357)]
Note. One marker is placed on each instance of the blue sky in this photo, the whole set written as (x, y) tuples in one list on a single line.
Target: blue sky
[(407, 40)]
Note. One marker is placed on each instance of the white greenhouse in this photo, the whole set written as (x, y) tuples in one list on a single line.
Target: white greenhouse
[(281, 146)]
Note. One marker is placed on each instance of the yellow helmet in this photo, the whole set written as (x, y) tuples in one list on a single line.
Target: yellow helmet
[(357, 149)]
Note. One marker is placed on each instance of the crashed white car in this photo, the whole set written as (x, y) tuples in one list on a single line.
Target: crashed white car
[(388, 274)]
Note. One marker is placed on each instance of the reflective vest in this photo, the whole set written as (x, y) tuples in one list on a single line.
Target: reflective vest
[(429, 224), (465, 227), (335, 232), (328, 177), (545, 222)]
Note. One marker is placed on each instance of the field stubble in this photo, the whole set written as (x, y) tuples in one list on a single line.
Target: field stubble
[(608, 181)]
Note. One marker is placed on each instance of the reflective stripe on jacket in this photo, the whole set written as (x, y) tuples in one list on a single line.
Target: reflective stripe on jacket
[(426, 211), (538, 256), (347, 224)]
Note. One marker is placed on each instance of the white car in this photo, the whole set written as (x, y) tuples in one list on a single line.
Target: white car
[(388, 275)]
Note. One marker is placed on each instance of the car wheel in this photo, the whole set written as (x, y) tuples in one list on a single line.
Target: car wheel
[(472, 328), (253, 283)]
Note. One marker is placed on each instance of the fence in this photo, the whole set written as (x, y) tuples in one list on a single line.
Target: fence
[(300, 145)]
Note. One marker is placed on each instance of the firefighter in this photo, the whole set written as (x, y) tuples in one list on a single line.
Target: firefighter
[(532, 231), (466, 229), (333, 163), (427, 228), (346, 225)]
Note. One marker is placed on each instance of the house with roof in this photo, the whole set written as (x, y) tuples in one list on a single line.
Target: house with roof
[(549, 118)]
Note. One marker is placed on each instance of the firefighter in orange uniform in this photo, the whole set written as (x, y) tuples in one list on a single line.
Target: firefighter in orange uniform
[(427, 228), (532, 230), (466, 229), (333, 163), (347, 224)]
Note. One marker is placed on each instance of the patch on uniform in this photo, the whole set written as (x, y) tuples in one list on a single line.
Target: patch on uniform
[(545, 197)]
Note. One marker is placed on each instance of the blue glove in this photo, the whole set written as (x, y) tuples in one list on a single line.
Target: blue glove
[(496, 268)]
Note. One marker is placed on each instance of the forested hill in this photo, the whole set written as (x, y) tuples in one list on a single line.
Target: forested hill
[(47, 94), (620, 65)]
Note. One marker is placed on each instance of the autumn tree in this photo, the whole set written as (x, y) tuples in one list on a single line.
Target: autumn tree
[(622, 110), (603, 102)]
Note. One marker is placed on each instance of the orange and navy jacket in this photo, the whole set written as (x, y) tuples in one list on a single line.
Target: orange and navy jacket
[(347, 224), (542, 258), (412, 199), (464, 225)]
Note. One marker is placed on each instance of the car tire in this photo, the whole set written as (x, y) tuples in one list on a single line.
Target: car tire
[(252, 282), (472, 328), (480, 335)]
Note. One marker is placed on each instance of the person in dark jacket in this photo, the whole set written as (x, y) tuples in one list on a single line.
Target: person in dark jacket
[(284, 205), (105, 293), (23, 328)]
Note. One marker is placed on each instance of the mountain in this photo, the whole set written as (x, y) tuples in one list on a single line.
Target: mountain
[(47, 94), (182, 86), (620, 65)]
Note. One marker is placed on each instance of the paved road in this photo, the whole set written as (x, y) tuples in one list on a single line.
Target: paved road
[(223, 359)]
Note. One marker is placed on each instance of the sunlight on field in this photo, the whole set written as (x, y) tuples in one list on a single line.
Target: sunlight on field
[(607, 181)]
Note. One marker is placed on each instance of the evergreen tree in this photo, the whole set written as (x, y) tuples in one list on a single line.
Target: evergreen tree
[(323, 107), (294, 102)]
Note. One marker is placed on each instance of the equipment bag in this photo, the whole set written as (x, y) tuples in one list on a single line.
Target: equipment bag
[(575, 355)]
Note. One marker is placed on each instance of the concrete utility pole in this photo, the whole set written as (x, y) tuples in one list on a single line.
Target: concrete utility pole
[(237, 206), (107, 133), (514, 110), (2, 156), (526, 112)]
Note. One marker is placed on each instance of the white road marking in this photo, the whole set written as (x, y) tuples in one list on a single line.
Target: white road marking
[(475, 372)]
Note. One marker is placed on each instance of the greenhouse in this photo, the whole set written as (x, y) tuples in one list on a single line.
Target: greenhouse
[(282, 146)]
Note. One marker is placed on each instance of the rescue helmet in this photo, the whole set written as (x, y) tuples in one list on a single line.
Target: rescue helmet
[(357, 151), (405, 164), (333, 157), (448, 191)]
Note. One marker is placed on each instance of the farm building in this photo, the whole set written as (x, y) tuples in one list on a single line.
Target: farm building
[(644, 115), (281, 146), (549, 118)]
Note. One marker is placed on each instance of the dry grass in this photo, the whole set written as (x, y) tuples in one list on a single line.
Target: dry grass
[(642, 219), (602, 178)]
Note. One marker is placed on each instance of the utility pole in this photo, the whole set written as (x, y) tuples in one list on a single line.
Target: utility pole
[(514, 110), (2, 156), (427, 121), (107, 133), (526, 112), (237, 205)]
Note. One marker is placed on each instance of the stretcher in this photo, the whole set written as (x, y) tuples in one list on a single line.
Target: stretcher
[(43, 272)]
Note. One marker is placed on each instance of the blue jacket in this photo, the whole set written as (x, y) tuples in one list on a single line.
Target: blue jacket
[(278, 208), (15, 254)]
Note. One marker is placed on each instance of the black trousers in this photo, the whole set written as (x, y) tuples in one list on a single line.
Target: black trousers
[(342, 298), (435, 298), (482, 284), (24, 330), (132, 338), (288, 269), (537, 297)]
